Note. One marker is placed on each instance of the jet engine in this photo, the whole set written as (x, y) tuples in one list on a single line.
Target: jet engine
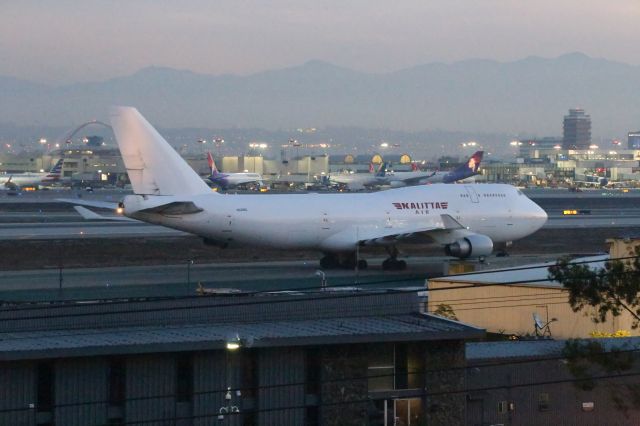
[(472, 245), (397, 184)]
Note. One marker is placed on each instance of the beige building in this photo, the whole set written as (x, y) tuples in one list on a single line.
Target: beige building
[(523, 302)]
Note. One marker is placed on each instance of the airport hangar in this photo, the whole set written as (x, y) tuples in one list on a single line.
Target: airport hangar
[(333, 357)]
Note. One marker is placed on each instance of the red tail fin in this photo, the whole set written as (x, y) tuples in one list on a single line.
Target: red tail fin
[(414, 167), (371, 169), (212, 164)]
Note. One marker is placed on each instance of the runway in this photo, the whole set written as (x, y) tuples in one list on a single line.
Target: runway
[(85, 229)]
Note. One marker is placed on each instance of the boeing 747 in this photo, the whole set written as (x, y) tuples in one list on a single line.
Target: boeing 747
[(465, 220)]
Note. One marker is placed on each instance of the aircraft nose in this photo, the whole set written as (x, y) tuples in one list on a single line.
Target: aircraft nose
[(538, 216)]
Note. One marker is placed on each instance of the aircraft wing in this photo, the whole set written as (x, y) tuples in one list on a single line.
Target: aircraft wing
[(89, 203), (418, 233), (417, 180)]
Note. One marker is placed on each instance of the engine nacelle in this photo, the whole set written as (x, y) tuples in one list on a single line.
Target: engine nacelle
[(471, 245), (397, 184)]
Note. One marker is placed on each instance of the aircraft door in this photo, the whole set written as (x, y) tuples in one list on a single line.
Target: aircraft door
[(473, 195), (227, 223), (325, 222)]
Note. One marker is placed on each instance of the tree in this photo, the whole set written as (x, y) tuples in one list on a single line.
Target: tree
[(613, 289), (446, 311)]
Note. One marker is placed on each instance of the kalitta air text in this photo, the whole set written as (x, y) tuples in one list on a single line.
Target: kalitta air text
[(425, 205)]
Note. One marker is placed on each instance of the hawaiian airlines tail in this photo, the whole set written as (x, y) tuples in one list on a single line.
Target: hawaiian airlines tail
[(212, 164), (468, 169), (154, 167)]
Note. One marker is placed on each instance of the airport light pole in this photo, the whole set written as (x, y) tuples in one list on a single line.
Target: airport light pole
[(232, 345), (189, 263)]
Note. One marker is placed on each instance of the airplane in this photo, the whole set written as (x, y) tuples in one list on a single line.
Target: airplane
[(359, 181), (230, 180), (465, 220), (416, 177), (16, 180)]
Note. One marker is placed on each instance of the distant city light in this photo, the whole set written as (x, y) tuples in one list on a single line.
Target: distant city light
[(384, 145), (594, 146), (43, 141), (557, 147)]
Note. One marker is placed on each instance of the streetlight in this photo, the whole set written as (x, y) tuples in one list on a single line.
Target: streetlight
[(323, 279), (233, 343), (189, 263), (218, 142)]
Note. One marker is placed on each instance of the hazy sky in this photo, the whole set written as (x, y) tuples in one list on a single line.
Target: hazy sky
[(59, 41)]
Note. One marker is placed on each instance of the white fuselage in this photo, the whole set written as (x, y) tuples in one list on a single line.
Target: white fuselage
[(335, 222), (22, 179), (356, 180)]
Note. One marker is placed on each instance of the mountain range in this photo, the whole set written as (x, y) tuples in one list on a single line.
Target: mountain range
[(528, 96)]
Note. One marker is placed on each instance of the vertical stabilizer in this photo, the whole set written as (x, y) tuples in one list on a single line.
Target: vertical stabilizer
[(154, 167), (212, 164)]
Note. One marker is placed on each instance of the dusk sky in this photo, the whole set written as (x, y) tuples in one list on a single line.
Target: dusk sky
[(60, 41)]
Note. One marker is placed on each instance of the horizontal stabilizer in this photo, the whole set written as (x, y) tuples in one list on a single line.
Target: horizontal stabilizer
[(175, 208), (89, 215), (89, 203)]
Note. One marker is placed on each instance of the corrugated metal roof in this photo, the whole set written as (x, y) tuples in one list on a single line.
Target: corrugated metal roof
[(537, 348), (534, 274), (87, 342)]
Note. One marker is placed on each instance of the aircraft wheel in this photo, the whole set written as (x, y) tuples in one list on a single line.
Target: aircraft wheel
[(329, 262), (362, 264), (401, 265), (386, 265)]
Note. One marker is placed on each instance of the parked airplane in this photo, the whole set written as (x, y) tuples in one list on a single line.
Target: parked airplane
[(416, 177), (359, 181), (16, 180), (466, 220), (230, 180)]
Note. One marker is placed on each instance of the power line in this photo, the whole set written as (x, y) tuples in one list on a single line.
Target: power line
[(611, 353), (306, 288), (271, 301), (178, 326)]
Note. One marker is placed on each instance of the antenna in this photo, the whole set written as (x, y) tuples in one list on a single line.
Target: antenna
[(542, 328)]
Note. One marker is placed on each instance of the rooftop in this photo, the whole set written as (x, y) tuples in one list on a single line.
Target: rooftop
[(101, 328), (536, 274)]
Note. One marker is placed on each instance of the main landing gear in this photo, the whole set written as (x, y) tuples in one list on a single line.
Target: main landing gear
[(392, 263), (341, 261)]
